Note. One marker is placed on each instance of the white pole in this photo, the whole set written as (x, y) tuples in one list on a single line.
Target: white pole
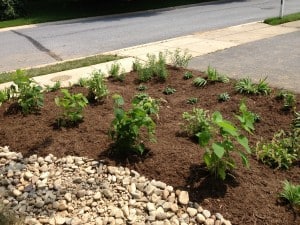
[(281, 8)]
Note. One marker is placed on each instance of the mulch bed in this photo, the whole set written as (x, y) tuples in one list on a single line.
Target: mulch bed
[(251, 197)]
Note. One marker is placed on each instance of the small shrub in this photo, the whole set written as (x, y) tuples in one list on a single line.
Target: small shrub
[(29, 95), (169, 91), (195, 121), (97, 87), (150, 105), (54, 87), (126, 128), (11, 9), (289, 99), (142, 87), (72, 106), (160, 67), (199, 82), (246, 118), (188, 75), (192, 100), (116, 73), (214, 76), (223, 97), (179, 58), (291, 194), (246, 86), (279, 153)]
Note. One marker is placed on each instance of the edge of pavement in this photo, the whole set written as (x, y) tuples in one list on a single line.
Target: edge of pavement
[(196, 44)]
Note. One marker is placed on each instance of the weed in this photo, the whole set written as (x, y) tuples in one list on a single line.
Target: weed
[(169, 90), (116, 73), (142, 87), (223, 97), (289, 99), (214, 76), (291, 194), (29, 95), (54, 87), (126, 127), (192, 100), (199, 82), (188, 75), (246, 86), (180, 59), (97, 87), (279, 153), (72, 106), (195, 121), (246, 118)]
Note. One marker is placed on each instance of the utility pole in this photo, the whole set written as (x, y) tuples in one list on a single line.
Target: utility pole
[(281, 8)]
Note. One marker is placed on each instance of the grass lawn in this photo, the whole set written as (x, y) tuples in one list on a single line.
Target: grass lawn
[(68, 65), (284, 19), (55, 10)]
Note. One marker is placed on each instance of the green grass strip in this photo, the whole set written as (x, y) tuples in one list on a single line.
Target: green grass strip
[(73, 64), (284, 19)]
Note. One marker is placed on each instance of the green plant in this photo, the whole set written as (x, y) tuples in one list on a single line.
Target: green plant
[(246, 86), (4, 95), (142, 87), (150, 105), (116, 73), (54, 87), (169, 90), (291, 194), (214, 76), (223, 97), (219, 139), (179, 58), (136, 65), (246, 118), (72, 106), (29, 95), (289, 99), (160, 68), (82, 82), (11, 9), (126, 128), (279, 153), (192, 100), (199, 82), (188, 75), (195, 121), (97, 87)]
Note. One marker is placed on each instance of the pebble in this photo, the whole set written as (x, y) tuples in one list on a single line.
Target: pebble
[(75, 191)]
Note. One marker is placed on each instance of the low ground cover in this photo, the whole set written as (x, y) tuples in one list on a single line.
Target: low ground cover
[(284, 19), (245, 196)]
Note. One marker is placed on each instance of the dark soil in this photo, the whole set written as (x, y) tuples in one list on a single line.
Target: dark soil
[(251, 197)]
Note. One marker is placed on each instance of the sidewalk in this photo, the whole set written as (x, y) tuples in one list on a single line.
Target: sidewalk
[(197, 44)]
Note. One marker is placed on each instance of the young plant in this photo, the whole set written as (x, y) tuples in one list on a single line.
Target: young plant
[(126, 128), (179, 58), (160, 68), (195, 121), (219, 140), (97, 87), (82, 82), (291, 194), (199, 82), (142, 87), (54, 87), (72, 106), (136, 65), (192, 100), (150, 105), (188, 75), (289, 99), (29, 95), (4, 95), (223, 97), (116, 73), (214, 76), (279, 153), (169, 91), (246, 86), (246, 118)]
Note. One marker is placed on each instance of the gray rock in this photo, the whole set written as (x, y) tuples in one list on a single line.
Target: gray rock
[(39, 203)]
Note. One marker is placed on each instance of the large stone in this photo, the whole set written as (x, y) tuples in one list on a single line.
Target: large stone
[(183, 197)]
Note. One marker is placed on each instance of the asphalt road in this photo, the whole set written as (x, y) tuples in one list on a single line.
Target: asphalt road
[(277, 58), (52, 42)]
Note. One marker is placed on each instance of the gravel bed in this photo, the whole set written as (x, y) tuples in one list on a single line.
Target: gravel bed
[(76, 190)]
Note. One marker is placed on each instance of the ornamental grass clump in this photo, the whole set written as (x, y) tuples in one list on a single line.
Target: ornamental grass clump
[(291, 194), (180, 58), (246, 86)]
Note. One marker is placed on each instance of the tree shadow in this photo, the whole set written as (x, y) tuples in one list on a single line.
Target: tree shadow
[(38, 147)]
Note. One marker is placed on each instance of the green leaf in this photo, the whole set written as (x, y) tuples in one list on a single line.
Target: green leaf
[(244, 159), (242, 140), (203, 138), (218, 149), (207, 159)]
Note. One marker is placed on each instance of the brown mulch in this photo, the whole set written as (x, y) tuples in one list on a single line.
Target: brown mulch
[(251, 197)]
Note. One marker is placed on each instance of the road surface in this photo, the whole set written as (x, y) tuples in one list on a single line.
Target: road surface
[(53, 42)]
